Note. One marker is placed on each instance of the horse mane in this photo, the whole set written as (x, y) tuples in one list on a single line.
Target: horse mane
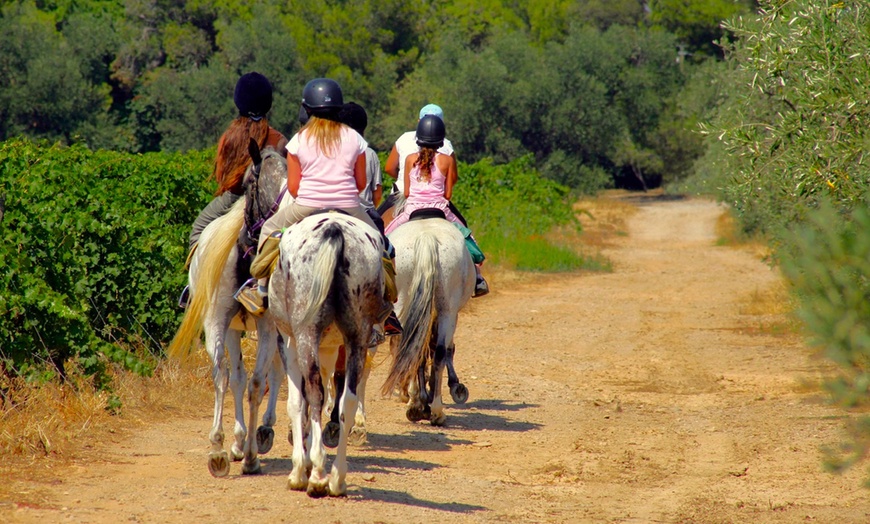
[(215, 244)]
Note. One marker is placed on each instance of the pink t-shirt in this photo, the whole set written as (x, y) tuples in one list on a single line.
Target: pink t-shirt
[(328, 181)]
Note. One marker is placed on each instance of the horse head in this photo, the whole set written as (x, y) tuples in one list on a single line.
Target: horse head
[(265, 183)]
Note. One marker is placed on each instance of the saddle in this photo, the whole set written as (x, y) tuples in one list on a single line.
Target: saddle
[(426, 212)]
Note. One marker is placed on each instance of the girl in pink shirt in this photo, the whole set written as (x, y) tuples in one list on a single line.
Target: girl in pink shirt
[(326, 168), (429, 178)]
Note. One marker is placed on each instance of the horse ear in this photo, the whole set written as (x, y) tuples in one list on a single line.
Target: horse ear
[(254, 151)]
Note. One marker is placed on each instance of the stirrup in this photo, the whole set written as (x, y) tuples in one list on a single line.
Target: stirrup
[(480, 287), (378, 336), (252, 299)]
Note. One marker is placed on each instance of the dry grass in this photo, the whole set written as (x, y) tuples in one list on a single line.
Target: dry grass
[(55, 423), (728, 234)]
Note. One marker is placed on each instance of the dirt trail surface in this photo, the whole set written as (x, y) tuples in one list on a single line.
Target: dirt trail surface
[(655, 393)]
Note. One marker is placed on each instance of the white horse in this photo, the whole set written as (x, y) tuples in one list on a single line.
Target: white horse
[(435, 277), (329, 278), (216, 272)]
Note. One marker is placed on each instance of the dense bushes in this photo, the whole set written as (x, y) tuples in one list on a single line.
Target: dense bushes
[(791, 161), (93, 245)]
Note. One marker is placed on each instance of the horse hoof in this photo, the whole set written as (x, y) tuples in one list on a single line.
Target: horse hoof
[(265, 438), (236, 453), (415, 414), (318, 489), (358, 436), (337, 488), (459, 393), (218, 464), (438, 420), (251, 468), (331, 434)]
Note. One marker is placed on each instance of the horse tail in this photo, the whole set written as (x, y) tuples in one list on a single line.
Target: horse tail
[(417, 315), (214, 249), (329, 251)]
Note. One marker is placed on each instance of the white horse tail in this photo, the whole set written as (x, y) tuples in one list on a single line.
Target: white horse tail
[(418, 314), (323, 270), (214, 248)]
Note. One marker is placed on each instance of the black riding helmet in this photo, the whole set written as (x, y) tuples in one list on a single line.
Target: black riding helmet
[(322, 96), (355, 116), (430, 132), (253, 95)]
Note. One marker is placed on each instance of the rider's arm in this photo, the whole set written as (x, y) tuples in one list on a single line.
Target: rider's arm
[(359, 172), (451, 177), (392, 165), (409, 163), (294, 174)]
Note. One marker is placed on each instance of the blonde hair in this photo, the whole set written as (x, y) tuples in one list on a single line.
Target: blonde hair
[(325, 133)]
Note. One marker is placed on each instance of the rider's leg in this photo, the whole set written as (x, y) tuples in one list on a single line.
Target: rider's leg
[(252, 296)]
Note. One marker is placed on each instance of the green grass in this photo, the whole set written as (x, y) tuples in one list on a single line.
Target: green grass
[(537, 254)]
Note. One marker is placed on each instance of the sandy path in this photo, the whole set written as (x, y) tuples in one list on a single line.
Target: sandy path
[(654, 393)]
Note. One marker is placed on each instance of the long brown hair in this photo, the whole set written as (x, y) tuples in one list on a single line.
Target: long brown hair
[(232, 152), (425, 160)]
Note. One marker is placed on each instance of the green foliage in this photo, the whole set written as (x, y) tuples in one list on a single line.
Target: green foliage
[(790, 156), (697, 24), (93, 243), (795, 124), (828, 262), (510, 207)]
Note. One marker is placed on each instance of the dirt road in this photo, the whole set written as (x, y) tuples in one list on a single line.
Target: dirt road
[(660, 392)]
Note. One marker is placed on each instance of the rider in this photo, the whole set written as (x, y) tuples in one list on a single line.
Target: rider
[(253, 98), (326, 168), (428, 180), (355, 116), (404, 146)]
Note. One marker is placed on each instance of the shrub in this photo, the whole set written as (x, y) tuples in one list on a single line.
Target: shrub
[(93, 246)]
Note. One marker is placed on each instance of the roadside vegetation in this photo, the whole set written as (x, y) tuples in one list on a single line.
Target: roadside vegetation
[(787, 152)]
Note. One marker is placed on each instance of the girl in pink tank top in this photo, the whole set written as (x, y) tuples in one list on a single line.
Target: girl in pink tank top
[(429, 179)]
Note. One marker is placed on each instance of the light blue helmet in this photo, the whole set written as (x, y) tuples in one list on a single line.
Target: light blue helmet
[(432, 109)]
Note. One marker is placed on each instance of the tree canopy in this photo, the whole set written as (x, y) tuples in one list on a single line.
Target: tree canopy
[(589, 88)]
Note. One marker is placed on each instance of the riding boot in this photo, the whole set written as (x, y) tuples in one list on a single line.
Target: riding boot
[(480, 286), (392, 326), (254, 297)]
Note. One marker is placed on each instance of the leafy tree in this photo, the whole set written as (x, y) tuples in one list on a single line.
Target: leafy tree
[(697, 24), (48, 92)]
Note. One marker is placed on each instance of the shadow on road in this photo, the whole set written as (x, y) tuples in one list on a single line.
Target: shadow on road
[(400, 497)]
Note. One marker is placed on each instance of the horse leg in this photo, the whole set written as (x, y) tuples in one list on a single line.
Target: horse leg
[(358, 433), (335, 387), (265, 433), (457, 390), (307, 349), (238, 381), (266, 347), (418, 405), (215, 332), (356, 359), (296, 410), (437, 416)]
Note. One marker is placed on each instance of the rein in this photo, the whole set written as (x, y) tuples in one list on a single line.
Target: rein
[(253, 230)]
